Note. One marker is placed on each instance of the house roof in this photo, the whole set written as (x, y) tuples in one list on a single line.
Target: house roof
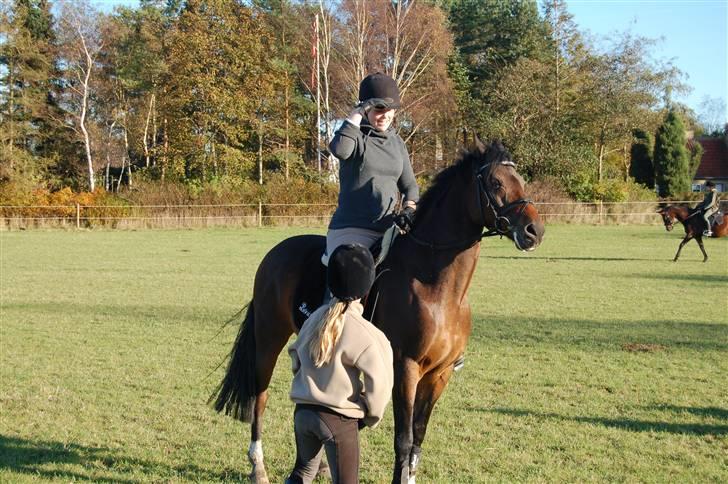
[(714, 163)]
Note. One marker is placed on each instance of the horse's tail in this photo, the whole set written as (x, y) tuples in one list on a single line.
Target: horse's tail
[(236, 393)]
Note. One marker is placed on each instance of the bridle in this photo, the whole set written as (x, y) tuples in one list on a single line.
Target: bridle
[(502, 225), (667, 220)]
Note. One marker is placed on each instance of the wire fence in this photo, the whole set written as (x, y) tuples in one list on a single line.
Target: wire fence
[(278, 214)]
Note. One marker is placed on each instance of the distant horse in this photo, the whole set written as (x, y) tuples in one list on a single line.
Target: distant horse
[(421, 298), (694, 225)]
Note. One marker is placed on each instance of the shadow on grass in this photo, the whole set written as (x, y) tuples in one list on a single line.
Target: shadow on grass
[(599, 335), (571, 258), (712, 278), (50, 460), (145, 312), (624, 424), (711, 412)]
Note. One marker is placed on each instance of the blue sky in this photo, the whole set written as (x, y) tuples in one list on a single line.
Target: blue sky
[(692, 35)]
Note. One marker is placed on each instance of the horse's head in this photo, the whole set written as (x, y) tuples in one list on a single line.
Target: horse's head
[(500, 196), (668, 217)]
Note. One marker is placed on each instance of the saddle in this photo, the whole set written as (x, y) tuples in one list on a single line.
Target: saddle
[(310, 299)]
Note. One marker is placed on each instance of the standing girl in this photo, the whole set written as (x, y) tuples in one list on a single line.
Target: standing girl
[(343, 375)]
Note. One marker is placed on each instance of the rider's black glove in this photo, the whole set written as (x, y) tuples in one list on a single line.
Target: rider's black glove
[(405, 219)]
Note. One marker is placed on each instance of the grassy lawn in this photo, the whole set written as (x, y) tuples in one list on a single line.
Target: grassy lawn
[(595, 358)]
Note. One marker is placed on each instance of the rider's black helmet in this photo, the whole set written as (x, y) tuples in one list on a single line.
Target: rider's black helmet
[(709, 184), (381, 89)]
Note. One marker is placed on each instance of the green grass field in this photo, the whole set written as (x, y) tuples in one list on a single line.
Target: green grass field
[(595, 358)]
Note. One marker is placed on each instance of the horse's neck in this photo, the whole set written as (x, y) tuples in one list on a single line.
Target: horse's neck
[(447, 222), (455, 242), (682, 214)]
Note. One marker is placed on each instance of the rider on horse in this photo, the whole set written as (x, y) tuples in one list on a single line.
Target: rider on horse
[(708, 206), (374, 169)]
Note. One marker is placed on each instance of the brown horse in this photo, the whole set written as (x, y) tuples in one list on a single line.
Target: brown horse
[(694, 226), (421, 298)]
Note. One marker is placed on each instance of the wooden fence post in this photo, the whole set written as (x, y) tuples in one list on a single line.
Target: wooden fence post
[(78, 215), (601, 212), (260, 213)]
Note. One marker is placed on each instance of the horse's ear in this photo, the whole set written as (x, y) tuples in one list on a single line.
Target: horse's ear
[(497, 144), (478, 144)]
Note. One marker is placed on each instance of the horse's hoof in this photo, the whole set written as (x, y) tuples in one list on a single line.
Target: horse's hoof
[(259, 477)]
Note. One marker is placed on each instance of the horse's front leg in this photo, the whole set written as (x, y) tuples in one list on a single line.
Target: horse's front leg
[(429, 390), (699, 240), (406, 376), (682, 244)]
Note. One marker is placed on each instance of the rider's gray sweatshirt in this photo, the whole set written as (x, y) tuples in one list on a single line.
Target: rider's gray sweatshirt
[(374, 168)]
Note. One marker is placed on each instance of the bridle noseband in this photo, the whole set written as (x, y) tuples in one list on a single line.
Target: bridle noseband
[(502, 225)]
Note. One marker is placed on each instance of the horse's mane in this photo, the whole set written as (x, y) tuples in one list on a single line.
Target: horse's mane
[(463, 166)]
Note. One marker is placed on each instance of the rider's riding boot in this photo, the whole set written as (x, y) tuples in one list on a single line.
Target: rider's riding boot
[(707, 233)]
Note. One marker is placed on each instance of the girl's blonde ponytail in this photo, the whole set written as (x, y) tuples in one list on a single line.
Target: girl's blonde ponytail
[(326, 332)]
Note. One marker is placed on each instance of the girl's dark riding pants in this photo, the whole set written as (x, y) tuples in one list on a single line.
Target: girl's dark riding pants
[(317, 427)]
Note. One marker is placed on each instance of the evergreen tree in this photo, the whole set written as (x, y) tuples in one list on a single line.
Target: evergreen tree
[(641, 167), (27, 64), (696, 154), (671, 158), (491, 36)]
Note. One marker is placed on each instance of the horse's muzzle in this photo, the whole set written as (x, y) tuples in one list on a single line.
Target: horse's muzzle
[(529, 237)]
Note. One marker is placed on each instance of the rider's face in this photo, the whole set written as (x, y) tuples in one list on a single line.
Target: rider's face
[(380, 119)]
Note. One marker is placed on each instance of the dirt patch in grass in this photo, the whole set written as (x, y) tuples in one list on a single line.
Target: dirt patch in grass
[(643, 347)]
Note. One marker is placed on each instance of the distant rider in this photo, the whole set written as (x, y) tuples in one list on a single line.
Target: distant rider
[(708, 206)]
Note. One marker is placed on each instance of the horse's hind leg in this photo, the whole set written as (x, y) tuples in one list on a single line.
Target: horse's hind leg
[(406, 375), (429, 390), (269, 344)]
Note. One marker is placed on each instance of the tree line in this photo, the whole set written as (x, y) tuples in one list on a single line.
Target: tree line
[(224, 92)]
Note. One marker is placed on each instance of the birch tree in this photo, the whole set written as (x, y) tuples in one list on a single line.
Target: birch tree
[(80, 43)]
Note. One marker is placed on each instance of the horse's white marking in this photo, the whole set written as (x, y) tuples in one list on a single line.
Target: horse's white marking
[(255, 451), (414, 460)]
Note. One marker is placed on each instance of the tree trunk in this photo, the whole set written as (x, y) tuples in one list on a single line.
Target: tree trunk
[(146, 130), (11, 114), (260, 152), (126, 150), (107, 183), (214, 158), (84, 107), (287, 104), (165, 148)]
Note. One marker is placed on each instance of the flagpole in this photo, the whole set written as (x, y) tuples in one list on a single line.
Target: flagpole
[(318, 94)]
